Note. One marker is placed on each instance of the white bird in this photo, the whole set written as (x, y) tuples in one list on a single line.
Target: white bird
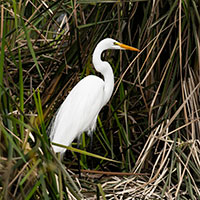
[(78, 113)]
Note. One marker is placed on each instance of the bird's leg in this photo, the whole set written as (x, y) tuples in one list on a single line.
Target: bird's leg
[(79, 141), (78, 155), (91, 141)]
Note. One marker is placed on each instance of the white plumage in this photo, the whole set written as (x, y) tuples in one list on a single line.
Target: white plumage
[(78, 113)]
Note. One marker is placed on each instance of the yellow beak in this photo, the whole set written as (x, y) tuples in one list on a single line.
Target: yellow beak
[(124, 46)]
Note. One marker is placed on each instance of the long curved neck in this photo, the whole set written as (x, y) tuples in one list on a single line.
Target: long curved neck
[(105, 69)]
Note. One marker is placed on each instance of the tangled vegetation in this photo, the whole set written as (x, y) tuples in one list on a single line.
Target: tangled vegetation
[(150, 128)]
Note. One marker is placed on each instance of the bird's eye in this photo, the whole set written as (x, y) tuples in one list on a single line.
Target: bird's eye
[(115, 43)]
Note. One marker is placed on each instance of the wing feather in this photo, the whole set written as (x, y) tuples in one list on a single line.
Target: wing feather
[(79, 111)]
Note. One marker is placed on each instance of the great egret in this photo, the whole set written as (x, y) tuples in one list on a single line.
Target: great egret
[(78, 113)]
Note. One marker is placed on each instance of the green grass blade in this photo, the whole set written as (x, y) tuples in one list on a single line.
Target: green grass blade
[(86, 153), (31, 48)]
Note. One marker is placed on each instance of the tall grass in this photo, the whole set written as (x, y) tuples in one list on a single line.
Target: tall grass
[(151, 125)]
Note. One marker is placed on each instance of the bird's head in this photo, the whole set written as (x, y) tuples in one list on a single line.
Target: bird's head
[(109, 43)]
